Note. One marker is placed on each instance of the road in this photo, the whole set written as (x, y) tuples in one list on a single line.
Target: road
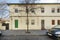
[(25, 38)]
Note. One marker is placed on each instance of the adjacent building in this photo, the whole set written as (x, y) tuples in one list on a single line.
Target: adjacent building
[(40, 16)]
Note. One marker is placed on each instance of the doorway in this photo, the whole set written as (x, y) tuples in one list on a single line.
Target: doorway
[(6, 25), (42, 25)]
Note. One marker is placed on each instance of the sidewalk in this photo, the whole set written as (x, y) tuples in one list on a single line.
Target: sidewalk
[(23, 32)]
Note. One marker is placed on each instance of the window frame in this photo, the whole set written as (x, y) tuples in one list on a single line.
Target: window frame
[(58, 22), (32, 22), (58, 10), (53, 10), (53, 22), (42, 10), (16, 10)]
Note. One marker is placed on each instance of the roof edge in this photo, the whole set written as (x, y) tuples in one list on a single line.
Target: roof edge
[(31, 3)]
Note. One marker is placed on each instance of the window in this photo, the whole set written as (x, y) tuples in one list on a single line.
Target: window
[(58, 22), (16, 10), (58, 10), (32, 10), (27, 22), (53, 10), (3, 24), (16, 23), (42, 10), (32, 22), (53, 22)]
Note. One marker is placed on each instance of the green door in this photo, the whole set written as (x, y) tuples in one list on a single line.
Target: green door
[(16, 23)]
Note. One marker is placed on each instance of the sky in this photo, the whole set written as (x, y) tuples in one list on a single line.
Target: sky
[(11, 1), (38, 1)]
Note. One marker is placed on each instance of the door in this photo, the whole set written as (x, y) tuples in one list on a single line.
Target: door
[(16, 23), (7, 26), (42, 25)]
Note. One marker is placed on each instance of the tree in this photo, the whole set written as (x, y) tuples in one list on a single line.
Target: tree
[(3, 10), (32, 9), (27, 1), (28, 9)]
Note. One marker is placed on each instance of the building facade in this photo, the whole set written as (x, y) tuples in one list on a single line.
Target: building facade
[(4, 24), (40, 16)]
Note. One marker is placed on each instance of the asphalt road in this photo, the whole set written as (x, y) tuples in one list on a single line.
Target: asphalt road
[(25, 38)]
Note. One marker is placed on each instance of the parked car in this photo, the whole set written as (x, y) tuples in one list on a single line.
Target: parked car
[(54, 32)]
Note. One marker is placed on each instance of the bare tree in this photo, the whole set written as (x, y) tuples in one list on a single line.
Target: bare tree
[(27, 1), (27, 10), (32, 9), (3, 10)]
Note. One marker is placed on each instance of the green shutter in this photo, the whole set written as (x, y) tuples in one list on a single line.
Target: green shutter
[(16, 23)]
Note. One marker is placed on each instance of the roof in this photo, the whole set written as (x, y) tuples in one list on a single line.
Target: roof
[(36, 1), (29, 3)]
